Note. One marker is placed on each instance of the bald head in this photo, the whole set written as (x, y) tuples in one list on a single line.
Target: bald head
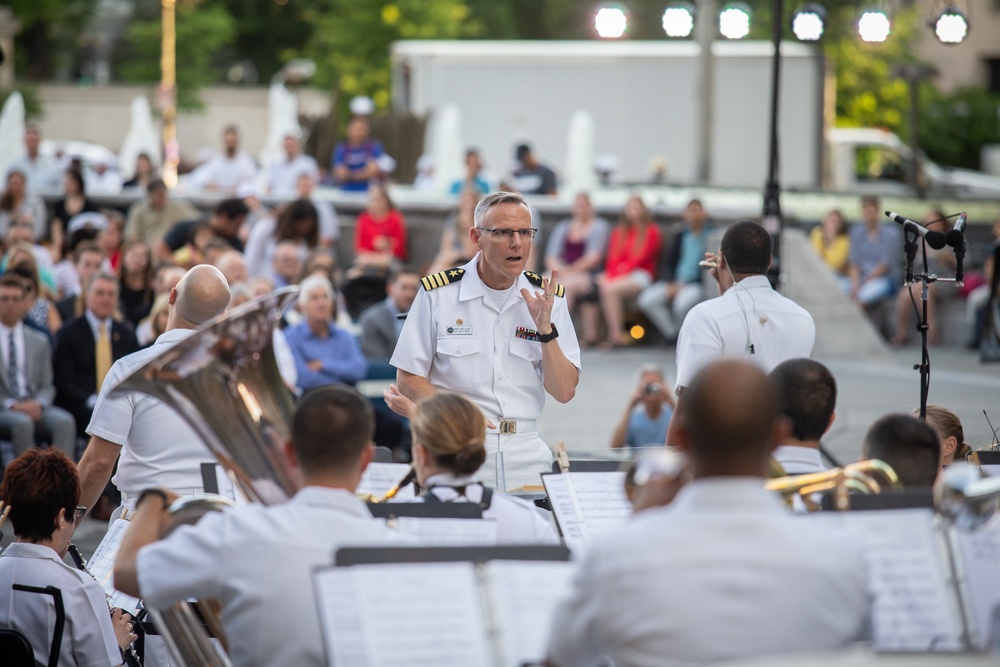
[(729, 420), (201, 294)]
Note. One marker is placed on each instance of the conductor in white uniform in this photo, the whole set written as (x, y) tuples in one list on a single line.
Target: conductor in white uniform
[(498, 335), (157, 447), (724, 571)]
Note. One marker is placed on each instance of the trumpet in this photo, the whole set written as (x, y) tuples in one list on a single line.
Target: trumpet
[(965, 497), (861, 477)]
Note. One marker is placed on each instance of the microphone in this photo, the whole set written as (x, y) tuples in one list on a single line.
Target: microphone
[(956, 235), (936, 240)]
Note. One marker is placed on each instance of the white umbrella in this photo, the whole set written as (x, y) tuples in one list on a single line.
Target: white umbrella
[(578, 172), (445, 140), (11, 131)]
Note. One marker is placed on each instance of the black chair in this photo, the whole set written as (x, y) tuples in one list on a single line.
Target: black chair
[(57, 632), (15, 649)]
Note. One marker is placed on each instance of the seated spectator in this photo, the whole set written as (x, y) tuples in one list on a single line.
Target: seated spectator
[(380, 324), (103, 177), (17, 203), (239, 295), (355, 160), (233, 267), (86, 347), (42, 171), (576, 247), (875, 259), (155, 323), (320, 262), (630, 267), (324, 353), (940, 262), (456, 246), (832, 243), (647, 416), (532, 177), (979, 297), (725, 553), (379, 233), (666, 302), (150, 219), (226, 220), (449, 434), (195, 250), (949, 429), (329, 223), (42, 313), (908, 445), (135, 275), (283, 174), (286, 264), (42, 489), (88, 261), (111, 240), (22, 232), (26, 387), (73, 203), (807, 396), (296, 222), (144, 174), (225, 172), (475, 177)]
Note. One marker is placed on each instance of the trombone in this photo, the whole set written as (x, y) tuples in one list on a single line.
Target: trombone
[(867, 477)]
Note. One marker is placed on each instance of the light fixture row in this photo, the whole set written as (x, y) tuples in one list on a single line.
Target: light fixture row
[(808, 23)]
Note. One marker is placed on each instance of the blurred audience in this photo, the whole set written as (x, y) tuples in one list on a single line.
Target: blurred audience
[(380, 324), (456, 246), (135, 275), (355, 160), (151, 218), (225, 172), (17, 204), (832, 243), (648, 413), (379, 233), (73, 203), (145, 173), (296, 223)]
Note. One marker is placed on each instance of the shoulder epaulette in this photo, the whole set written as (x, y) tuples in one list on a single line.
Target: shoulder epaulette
[(536, 280), (441, 279)]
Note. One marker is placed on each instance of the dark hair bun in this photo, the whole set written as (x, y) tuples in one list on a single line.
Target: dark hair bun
[(470, 459)]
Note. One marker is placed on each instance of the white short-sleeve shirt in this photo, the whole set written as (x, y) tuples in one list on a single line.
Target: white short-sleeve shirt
[(750, 313), (258, 561), (88, 635), (456, 338), (159, 449)]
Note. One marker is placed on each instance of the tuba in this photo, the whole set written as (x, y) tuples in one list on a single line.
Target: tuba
[(965, 497), (224, 382)]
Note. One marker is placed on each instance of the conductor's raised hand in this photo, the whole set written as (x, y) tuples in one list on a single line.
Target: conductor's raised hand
[(540, 303)]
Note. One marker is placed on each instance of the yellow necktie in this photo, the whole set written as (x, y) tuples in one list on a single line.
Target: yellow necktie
[(102, 354)]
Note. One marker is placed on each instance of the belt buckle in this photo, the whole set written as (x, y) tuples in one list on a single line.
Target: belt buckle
[(508, 426)]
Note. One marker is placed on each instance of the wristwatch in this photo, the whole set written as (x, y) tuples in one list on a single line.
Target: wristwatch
[(552, 335)]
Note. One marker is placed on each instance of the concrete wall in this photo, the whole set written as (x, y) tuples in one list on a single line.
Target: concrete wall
[(101, 114)]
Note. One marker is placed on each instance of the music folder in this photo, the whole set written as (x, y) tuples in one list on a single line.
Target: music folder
[(444, 607), (586, 504)]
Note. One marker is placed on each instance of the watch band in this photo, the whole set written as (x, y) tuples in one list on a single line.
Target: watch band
[(552, 335)]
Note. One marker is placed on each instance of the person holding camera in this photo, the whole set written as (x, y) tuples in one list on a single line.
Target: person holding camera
[(648, 414)]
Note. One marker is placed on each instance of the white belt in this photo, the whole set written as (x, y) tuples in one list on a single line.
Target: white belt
[(513, 426), (128, 497)]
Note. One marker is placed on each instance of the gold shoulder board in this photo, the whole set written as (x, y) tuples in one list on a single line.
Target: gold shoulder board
[(441, 279), (536, 280)]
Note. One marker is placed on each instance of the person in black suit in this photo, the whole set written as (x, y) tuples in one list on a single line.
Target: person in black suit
[(75, 361), (380, 324)]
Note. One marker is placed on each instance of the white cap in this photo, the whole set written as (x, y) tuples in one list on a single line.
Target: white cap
[(89, 219), (362, 105)]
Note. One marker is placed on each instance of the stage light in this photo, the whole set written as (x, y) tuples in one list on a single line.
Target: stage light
[(610, 22), (951, 26), (808, 22), (734, 21), (678, 20), (874, 26)]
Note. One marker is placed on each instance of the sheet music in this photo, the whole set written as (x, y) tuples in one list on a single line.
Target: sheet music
[(914, 607), (405, 614), (978, 553), (600, 499), (561, 501), (380, 477), (102, 563), (525, 595), (446, 532)]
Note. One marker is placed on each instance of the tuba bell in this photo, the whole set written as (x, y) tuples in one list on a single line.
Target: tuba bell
[(965, 497), (224, 382)]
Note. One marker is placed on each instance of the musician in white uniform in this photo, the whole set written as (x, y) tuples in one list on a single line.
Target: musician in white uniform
[(724, 571), (448, 434), (807, 395), (157, 447), (258, 560), (499, 336), (42, 489)]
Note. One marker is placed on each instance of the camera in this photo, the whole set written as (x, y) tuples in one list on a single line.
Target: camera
[(652, 388)]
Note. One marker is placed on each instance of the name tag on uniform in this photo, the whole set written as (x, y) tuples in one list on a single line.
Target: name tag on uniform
[(459, 330)]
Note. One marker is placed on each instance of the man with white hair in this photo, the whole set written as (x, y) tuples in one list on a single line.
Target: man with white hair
[(157, 448)]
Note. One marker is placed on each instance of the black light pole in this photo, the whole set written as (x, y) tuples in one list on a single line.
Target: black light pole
[(771, 218)]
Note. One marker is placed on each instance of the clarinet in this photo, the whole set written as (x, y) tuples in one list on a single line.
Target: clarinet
[(128, 653)]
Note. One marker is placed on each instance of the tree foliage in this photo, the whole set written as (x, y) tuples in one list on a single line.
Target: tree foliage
[(954, 128)]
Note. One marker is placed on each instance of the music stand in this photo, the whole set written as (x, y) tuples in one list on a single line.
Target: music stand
[(57, 631), (426, 510), (348, 556), (911, 499), (589, 465)]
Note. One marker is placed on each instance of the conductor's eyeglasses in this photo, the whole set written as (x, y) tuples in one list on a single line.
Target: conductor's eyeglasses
[(526, 234), (79, 512)]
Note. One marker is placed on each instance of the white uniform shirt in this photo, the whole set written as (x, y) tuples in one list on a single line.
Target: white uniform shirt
[(749, 313), (459, 341), (283, 173), (159, 449), (518, 522), (799, 460), (722, 572), (225, 174), (258, 561), (88, 636)]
